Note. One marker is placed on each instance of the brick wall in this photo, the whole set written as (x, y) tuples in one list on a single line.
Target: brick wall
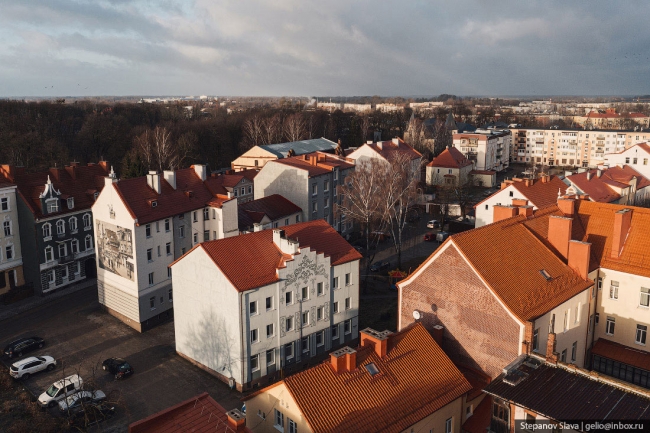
[(478, 333)]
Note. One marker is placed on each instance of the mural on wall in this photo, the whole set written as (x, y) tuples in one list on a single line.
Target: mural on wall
[(115, 249)]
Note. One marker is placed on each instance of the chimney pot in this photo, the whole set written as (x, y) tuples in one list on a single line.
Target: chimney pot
[(378, 339), (236, 420), (502, 212), (622, 223), (566, 205), (438, 334)]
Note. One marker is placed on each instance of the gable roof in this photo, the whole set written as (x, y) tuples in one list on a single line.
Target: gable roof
[(234, 255), (540, 194), (78, 182), (600, 188), (450, 158), (415, 379), (273, 206), (198, 414), (281, 150), (387, 149), (316, 163)]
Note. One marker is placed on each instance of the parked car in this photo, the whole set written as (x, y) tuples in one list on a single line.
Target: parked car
[(90, 415), (23, 345), (118, 367), (26, 367), (429, 237), (433, 224), (60, 390), (442, 236), (379, 266), (80, 399)]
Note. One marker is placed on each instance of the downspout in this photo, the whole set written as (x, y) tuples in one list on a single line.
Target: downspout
[(241, 341), (592, 331)]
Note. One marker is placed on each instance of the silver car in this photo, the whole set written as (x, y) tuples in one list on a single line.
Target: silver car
[(28, 366), (80, 398)]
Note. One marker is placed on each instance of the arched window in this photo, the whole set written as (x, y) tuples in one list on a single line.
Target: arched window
[(60, 227), (87, 223), (73, 224), (74, 246), (89, 242), (49, 254), (47, 230)]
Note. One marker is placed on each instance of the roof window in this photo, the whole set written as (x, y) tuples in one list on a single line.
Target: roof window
[(372, 369), (546, 275)]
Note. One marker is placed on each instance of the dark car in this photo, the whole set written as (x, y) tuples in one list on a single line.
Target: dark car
[(91, 414), (23, 345), (380, 266), (118, 366), (429, 237)]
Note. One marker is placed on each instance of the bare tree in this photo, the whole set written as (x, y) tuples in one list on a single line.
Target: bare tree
[(253, 132), (365, 126), (159, 152), (415, 135), (442, 139), (294, 127), (272, 129)]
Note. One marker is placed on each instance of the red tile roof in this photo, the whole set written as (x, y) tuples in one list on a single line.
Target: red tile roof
[(450, 158), (618, 352), (388, 148), (86, 182), (415, 379), (200, 414), (325, 165), (539, 194), (599, 187), (273, 206), (480, 419), (234, 255)]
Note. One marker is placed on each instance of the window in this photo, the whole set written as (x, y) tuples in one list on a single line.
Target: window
[(293, 427), (335, 283), (181, 232), (147, 230), (270, 330), (563, 356), (347, 303), (64, 272), (196, 238), (63, 250), (645, 297), (613, 290), (53, 205), (50, 277), (319, 289), (169, 272), (297, 218), (206, 235), (270, 357), (305, 293), (449, 425), (641, 331), (49, 254), (236, 191), (47, 230), (9, 252), (286, 221), (152, 302), (320, 313), (305, 318), (574, 350), (195, 217), (275, 225), (88, 243), (7, 228), (60, 227), (254, 336), (74, 246), (269, 303), (335, 307), (305, 344), (73, 224), (206, 214), (168, 248), (289, 323), (279, 420), (170, 295), (288, 350), (326, 203), (87, 223), (566, 321), (347, 279), (314, 207), (512, 193), (4, 204), (487, 207), (536, 339), (151, 278), (634, 160), (288, 298), (335, 332), (320, 338), (252, 308), (314, 189), (250, 189), (609, 325), (77, 270), (347, 327), (166, 225), (255, 362), (326, 185), (149, 255)]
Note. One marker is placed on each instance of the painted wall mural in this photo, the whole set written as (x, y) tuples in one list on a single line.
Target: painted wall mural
[(115, 249)]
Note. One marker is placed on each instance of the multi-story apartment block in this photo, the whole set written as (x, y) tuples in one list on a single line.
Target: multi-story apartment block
[(56, 224), (11, 259), (488, 149), (256, 157), (308, 181), (255, 306), (393, 382), (611, 119), (636, 156), (359, 108), (621, 185), (386, 151), (142, 225), (268, 212)]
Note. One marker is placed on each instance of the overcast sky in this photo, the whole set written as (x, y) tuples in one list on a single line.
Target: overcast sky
[(323, 47)]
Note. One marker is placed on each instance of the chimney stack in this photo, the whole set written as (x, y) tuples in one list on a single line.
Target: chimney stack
[(579, 255), (72, 170), (502, 212), (559, 233), (344, 360), (55, 173), (104, 164), (170, 177), (377, 339), (287, 246), (526, 211), (566, 205), (9, 171), (236, 420), (153, 180), (622, 223), (438, 334), (396, 141), (551, 354), (599, 172), (588, 174), (201, 171), (519, 202)]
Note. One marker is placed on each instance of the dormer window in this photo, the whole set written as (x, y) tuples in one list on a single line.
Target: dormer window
[(95, 196), (71, 203), (52, 205), (153, 203)]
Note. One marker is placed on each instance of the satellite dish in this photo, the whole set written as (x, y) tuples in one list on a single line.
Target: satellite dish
[(416, 314)]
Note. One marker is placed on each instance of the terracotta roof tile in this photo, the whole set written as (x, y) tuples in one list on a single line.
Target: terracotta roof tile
[(599, 187), (450, 158), (415, 379), (325, 165), (387, 149), (542, 194), (274, 206), (234, 255), (619, 352)]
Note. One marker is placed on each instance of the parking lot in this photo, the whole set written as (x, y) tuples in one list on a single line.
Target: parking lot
[(79, 335)]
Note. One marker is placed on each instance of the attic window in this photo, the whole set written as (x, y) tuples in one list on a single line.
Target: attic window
[(188, 193), (153, 203), (71, 203), (372, 369), (96, 195), (546, 275)]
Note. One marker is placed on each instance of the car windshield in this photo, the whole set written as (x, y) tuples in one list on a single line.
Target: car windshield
[(14, 368), (125, 366), (52, 390), (40, 358)]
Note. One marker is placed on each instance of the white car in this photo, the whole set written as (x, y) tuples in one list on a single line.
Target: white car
[(60, 390), (76, 400), (433, 224), (28, 366)]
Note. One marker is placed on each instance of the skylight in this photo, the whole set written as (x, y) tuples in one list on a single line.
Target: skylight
[(372, 369), (546, 275)]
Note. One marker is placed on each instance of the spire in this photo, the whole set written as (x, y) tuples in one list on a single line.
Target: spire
[(450, 123), (112, 173)]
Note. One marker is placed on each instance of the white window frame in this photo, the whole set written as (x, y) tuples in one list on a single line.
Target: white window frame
[(47, 231), (288, 323), (610, 325), (9, 252), (252, 308), (348, 303), (320, 291), (151, 281), (255, 335), (4, 204), (272, 361), (88, 243), (168, 248), (87, 221), (644, 297), (60, 227), (292, 426), (348, 279), (49, 250), (278, 420), (7, 228), (335, 332), (613, 290), (349, 321), (335, 283), (167, 226), (335, 307), (74, 246), (267, 304), (147, 230), (305, 314), (271, 327), (72, 222), (641, 334), (574, 351)]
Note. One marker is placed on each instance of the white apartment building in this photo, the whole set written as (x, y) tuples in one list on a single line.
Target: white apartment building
[(254, 307), (636, 156), (488, 149), (141, 226), (385, 151), (11, 259)]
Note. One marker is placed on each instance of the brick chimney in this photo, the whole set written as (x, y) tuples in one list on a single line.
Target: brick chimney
[(55, 173), (344, 360), (502, 212), (527, 344), (236, 420), (519, 202), (321, 158), (72, 170), (622, 222), (551, 354), (527, 211), (579, 255), (377, 339), (567, 205), (153, 180), (9, 171), (104, 165), (559, 233), (438, 334)]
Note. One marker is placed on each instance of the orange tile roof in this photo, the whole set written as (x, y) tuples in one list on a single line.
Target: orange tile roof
[(388, 149), (599, 187), (621, 353), (234, 255), (542, 194), (415, 379), (200, 414), (480, 419), (326, 165), (450, 158), (274, 206)]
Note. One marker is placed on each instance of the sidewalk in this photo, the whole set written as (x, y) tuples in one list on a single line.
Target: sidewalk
[(11, 310)]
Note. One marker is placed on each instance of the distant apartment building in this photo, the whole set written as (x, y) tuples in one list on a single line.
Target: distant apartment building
[(56, 223), (256, 157), (268, 212), (329, 106), (388, 108), (11, 258), (390, 383), (142, 225), (309, 181), (620, 185), (423, 106), (386, 150), (636, 156), (257, 306), (611, 119), (359, 108), (488, 149)]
